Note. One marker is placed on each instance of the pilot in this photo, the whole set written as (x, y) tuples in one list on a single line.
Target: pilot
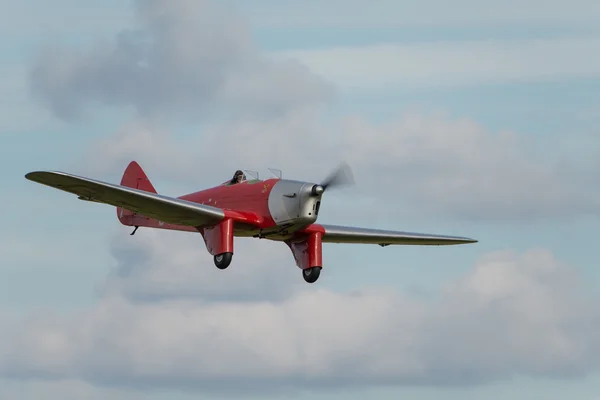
[(238, 177)]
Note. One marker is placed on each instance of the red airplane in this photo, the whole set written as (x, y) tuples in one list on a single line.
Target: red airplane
[(275, 209)]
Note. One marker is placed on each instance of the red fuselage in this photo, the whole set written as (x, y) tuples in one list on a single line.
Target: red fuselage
[(249, 198), (257, 208)]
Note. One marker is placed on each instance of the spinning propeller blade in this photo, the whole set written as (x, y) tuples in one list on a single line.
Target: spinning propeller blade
[(341, 176)]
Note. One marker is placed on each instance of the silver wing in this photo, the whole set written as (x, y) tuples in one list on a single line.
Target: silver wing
[(347, 234), (162, 208)]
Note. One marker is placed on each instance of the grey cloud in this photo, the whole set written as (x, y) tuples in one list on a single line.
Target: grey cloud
[(154, 266), (512, 314), (187, 59)]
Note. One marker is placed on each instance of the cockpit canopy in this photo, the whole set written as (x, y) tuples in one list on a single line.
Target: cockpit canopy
[(240, 176)]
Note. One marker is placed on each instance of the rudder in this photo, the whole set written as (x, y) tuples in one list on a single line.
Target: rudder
[(133, 177)]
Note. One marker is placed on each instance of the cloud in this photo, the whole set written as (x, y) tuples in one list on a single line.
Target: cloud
[(167, 318), (458, 167), (383, 66), (512, 314), (187, 59), (182, 62), (444, 165), (155, 265), (294, 140)]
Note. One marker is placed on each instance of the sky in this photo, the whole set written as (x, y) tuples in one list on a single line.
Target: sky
[(462, 118)]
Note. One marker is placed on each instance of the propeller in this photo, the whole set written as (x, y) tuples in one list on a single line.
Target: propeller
[(341, 176)]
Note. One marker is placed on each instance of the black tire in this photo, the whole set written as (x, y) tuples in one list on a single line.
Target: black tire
[(223, 260), (311, 275)]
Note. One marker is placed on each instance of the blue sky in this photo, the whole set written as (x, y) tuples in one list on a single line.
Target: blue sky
[(480, 121)]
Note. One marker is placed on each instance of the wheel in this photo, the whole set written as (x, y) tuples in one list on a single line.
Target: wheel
[(311, 275), (223, 260)]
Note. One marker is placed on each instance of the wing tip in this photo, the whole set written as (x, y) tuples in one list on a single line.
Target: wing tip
[(36, 176), (459, 240), (31, 174)]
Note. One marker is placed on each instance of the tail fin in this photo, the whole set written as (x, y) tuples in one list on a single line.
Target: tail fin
[(133, 177)]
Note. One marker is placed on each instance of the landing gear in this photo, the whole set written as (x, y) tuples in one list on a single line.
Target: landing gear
[(311, 275), (223, 260)]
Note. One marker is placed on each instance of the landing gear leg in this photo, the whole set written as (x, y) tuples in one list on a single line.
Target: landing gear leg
[(219, 242), (311, 275), (223, 260), (307, 251)]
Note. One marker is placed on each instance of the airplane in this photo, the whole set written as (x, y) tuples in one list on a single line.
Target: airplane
[(276, 209)]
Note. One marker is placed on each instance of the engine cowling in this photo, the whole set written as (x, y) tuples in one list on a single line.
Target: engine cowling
[(294, 202)]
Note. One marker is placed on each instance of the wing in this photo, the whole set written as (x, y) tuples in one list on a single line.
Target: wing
[(346, 234), (162, 208)]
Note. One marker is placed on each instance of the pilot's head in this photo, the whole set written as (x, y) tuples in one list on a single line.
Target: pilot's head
[(238, 177)]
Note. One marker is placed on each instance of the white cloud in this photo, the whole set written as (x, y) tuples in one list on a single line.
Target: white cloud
[(511, 314), (452, 63), (151, 146), (443, 165)]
